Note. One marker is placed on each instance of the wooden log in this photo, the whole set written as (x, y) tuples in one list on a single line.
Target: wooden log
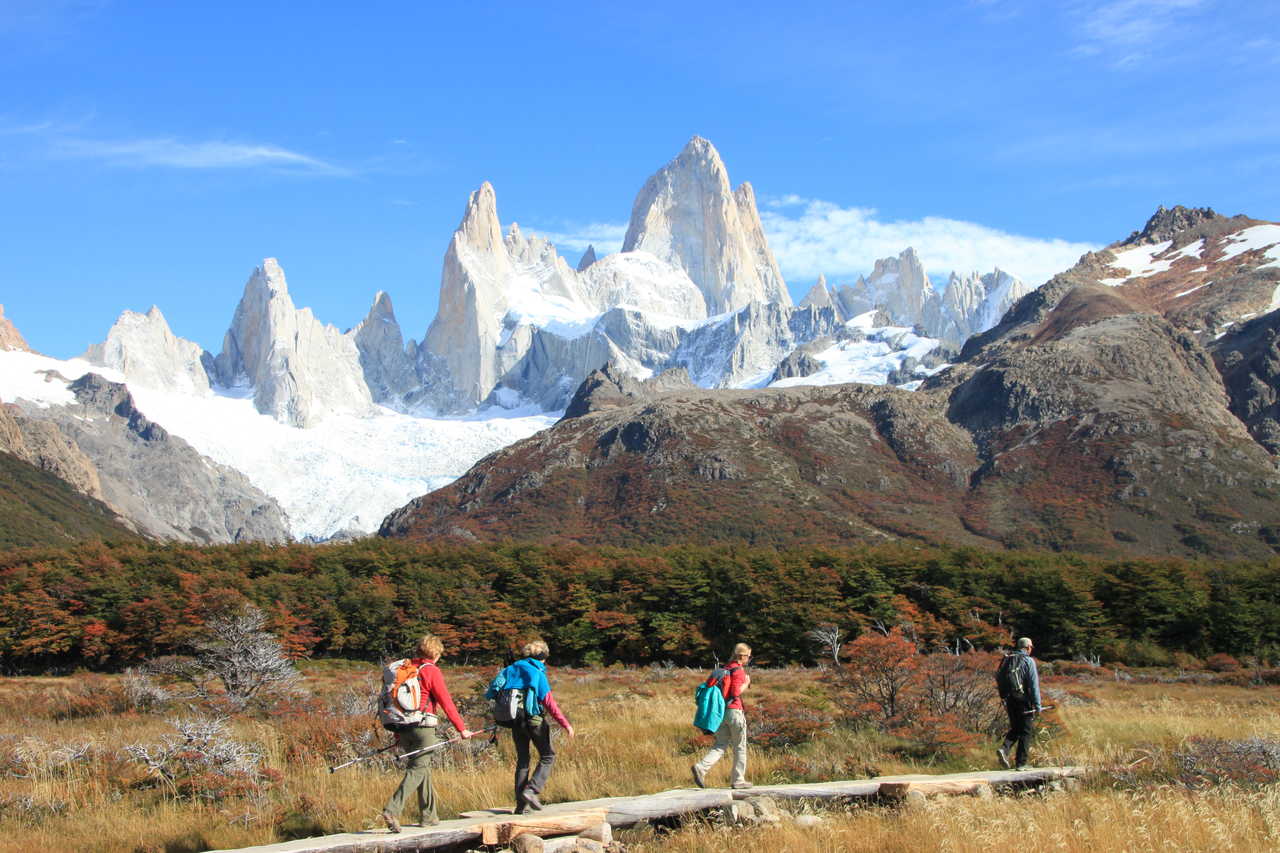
[(899, 790), (812, 790), (540, 824)]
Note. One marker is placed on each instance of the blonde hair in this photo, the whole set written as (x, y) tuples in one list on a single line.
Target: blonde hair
[(536, 649), (740, 650), (430, 647)]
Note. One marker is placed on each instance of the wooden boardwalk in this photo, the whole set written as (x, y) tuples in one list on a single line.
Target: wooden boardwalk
[(499, 826)]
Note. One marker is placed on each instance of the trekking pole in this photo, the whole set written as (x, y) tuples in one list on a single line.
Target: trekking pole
[(376, 752), (437, 745), (1038, 710)]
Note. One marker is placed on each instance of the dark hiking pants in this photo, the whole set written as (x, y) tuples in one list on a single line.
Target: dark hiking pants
[(540, 736), (1020, 728)]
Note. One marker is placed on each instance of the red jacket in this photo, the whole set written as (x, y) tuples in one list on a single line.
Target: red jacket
[(435, 694), (733, 686)]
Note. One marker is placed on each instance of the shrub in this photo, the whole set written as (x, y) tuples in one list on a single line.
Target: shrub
[(1137, 653), (1222, 662), (778, 725), (88, 696), (940, 703), (1205, 762), (202, 761)]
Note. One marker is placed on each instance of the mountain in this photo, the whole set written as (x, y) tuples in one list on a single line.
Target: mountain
[(688, 215), (299, 369), (37, 508), (1091, 418), (156, 481), (10, 337), (142, 347), (340, 428)]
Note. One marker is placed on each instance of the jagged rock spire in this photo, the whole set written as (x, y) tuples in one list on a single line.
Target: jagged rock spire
[(300, 369), (588, 258), (142, 347), (688, 215)]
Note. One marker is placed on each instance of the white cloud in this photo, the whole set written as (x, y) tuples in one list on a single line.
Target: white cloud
[(844, 242), (605, 236), (810, 236), (193, 155), (1125, 33)]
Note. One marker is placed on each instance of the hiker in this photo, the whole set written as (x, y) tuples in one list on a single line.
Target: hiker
[(1019, 683), (529, 674), (732, 732), (417, 774)]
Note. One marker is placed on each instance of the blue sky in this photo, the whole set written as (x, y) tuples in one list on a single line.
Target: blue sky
[(154, 152)]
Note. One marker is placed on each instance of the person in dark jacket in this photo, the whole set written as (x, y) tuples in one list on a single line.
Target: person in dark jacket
[(1022, 709), (732, 733), (530, 675), (417, 774)]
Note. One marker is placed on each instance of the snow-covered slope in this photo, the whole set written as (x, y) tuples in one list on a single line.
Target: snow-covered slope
[(342, 475), (869, 354)]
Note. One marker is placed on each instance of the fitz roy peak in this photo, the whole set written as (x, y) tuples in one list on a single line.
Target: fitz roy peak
[(688, 215)]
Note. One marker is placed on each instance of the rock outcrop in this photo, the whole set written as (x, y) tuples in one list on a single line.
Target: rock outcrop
[(10, 337), (588, 258), (688, 215), (387, 366), (1249, 360), (163, 487), (142, 347), (42, 444), (300, 369)]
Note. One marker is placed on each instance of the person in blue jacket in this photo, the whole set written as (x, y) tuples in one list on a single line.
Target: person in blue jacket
[(1022, 707), (530, 675)]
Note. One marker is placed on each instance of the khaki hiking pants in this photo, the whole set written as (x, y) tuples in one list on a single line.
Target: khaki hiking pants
[(732, 734), (417, 775)]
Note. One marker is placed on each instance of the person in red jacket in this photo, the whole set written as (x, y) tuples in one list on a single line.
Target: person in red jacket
[(417, 775), (732, 733)]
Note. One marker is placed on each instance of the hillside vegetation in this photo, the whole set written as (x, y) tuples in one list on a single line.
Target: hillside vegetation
[(107, 606), (37, 508)]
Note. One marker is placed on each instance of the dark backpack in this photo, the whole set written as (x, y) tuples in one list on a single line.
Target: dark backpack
[(1011, 677), (508, 702)]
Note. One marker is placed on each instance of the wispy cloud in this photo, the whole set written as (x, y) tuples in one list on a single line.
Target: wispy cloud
[(1126, 33), (173, 153), (605, 236), (810, 236)]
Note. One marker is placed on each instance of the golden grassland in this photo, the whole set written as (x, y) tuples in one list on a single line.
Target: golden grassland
[(67, 783)]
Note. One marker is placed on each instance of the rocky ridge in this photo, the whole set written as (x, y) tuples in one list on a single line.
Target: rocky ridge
[(1087, 420), (157, 481)]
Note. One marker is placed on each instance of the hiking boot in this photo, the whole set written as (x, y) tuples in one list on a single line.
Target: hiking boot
[(520, 808), (531, 797), (743, 784), (1002, 753), (392, 823), (699, 778), (1023, 767)]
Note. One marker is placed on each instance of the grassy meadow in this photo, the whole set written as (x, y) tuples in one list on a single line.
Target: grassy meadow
[(74, 771)]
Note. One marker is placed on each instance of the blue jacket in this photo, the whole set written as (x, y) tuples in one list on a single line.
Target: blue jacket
[(527, 674), (1031, 685)]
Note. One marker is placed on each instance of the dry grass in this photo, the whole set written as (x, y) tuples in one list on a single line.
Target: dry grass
[(67, 784)]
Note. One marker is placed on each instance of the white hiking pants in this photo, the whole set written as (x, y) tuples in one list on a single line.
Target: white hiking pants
[(732, 734)]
